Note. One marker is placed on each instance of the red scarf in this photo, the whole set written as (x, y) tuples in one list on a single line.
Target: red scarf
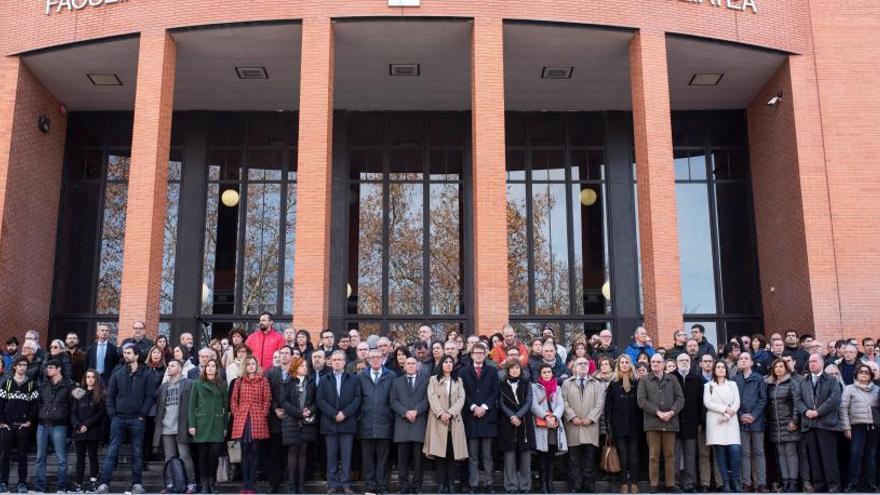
[(549, 387)]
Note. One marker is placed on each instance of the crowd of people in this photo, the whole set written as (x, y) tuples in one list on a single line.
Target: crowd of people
[(783, 413)]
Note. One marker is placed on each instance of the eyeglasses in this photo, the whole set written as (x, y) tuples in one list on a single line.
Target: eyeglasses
[(863, 372), (580, 364)]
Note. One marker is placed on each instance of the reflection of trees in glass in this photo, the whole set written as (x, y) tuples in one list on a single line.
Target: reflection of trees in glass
[(289, 248), (112, 237), (261, 245), (445, 249), (169, 252), (517, 249), (369, 289), (405, 239), (209, 259)]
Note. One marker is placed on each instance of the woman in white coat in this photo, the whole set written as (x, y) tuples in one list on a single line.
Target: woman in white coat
[(721, 398)]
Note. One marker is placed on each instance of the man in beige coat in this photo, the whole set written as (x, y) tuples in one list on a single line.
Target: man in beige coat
[(584, 398)]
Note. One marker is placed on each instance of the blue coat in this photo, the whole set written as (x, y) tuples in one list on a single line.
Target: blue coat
[(633, 350), (752, 400), (486, 391), (375, 418), (348, 401)]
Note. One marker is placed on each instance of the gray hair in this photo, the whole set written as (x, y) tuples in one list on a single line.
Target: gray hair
[(339, 353)]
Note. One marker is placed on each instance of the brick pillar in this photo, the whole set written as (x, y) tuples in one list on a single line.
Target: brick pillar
[(148, 183), (30, 185), (312, 274), (489, 176), (658, 230), (792, 210)]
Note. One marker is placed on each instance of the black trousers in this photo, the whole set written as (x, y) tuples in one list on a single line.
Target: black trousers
[(628, 453), (83, 448), (375, 463), (446, 466), (20, 440), (209, 457), (277, 460), (822, 455), (409, 452), (582, 467), (296, 466)]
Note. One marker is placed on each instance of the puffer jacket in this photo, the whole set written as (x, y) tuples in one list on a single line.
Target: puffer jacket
[(781, 409), (856, 404), (55, 403)]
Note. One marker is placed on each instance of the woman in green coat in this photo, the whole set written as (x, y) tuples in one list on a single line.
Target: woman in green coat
[(207, 421)]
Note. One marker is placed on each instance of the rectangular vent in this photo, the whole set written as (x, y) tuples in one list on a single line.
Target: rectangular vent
[(706, 79), (556, 72), (104, 79), (404, 70), (251, 73)]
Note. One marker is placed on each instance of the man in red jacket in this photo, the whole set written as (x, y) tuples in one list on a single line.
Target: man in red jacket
[(265, 341)]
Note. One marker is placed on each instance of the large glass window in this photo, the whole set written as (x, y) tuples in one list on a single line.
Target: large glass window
[(405, 226), (250, 221), (719, 268), (557, 217)]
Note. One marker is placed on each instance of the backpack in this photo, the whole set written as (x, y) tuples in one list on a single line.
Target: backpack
[(175, 476)]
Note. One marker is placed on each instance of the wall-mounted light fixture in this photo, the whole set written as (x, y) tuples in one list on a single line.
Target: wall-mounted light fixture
[(229, 198), (44, 124)]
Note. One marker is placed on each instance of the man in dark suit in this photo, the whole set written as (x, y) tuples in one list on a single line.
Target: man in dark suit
[(818, 405), (480, 415), (102, 356), (277, 461), (339, 398), (375, 422), (409, 401)]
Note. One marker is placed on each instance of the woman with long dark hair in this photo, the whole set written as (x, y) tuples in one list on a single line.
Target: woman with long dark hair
[(155, 364), (207, 421), (721, 398), (445, 439), (783, 422), (236, 337), (548, 410), (87, 415)]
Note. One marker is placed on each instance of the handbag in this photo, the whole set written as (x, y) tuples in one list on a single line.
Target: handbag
[(610, 461), (223, 468), (540, 422), (233, 447)]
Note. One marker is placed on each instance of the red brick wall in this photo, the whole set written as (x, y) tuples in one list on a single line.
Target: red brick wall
[(489, 172), (30, 185), (658, 230), (148, 183), (311, 277)]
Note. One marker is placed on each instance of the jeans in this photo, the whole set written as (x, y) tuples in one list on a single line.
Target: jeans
[(753, 457), (119, 428), (20, 439), (58, 436), (862, 453), (728, 457)]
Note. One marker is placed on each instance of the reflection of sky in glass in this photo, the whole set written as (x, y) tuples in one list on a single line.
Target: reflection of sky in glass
[(289, 248), (695, 248)]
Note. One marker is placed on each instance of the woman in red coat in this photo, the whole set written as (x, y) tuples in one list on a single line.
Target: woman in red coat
[(249, 404)]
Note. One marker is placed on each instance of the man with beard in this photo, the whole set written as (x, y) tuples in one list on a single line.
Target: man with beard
[(265, 341), (796, 351), (77, 356), (679, 347)]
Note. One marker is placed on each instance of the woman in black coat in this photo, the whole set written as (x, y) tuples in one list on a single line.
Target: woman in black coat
[(624, 421), (87, 415), (299, 426), (516, 430)]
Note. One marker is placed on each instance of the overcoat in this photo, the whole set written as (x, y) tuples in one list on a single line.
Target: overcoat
[(404, 399), (586, 403), (207, 412), (437, 433)]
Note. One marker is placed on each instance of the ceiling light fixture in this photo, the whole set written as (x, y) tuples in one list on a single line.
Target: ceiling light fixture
[(556, 72), (104, 79), (706, 79)]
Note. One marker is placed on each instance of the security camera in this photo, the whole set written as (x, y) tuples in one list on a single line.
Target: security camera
[(775, 99)]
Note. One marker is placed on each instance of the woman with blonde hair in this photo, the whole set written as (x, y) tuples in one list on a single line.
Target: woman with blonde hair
[(624, 422), (249, 405)]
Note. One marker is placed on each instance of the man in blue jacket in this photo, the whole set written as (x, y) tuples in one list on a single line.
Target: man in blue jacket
[(375, 422), (639, 345), (753, 402), (338, 399), (131, 394)]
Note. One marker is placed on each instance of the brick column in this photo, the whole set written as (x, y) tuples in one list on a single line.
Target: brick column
[(30, 185), (792, 207), (489, 176), (148, 183), (312, 274), (658, 230)]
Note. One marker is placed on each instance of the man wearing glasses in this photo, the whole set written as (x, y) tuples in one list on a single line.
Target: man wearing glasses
[(584, 398), (605, 346), (680, 347), (139, 339), (35, 364)]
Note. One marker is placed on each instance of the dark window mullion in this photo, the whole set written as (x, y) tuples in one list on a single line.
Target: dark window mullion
[(569, 222), (386, 186), (426, 219), (282, 219), (242, 221), (529, 224)]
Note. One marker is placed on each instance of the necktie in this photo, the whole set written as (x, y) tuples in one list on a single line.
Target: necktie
[(479, 370), (412, 384), (582, 385), (375, 377)]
